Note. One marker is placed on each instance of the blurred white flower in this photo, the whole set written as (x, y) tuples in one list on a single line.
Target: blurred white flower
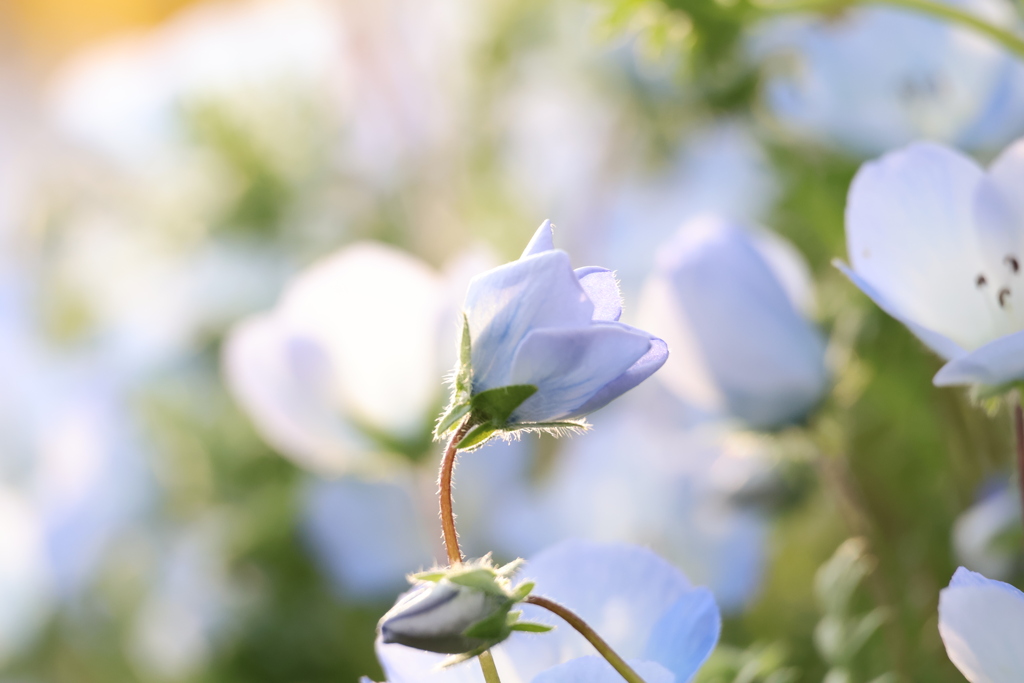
[(876, 78), (349, 363), (25, 583)]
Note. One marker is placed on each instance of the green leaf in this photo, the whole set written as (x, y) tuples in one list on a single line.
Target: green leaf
[(531, 627), (497, 405), (476, 436)]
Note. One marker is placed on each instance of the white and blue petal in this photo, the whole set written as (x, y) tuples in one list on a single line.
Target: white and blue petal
[(597, 670), (994, 364), (644, 367), (602, 289), (569, 366), (981, 622), (543, 240), (504, 304)]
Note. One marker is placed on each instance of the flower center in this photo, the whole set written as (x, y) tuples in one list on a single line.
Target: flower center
[(1003, 294)]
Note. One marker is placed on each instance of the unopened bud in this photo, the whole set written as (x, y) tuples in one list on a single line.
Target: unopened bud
[(435, 616)]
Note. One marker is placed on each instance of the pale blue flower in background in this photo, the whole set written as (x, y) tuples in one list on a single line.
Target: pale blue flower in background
[(733, 305), (537, 322), (981, 533), (645, 608), (981, 622), (636, 479), (368, 534), (719, 168), (936, 241), (335, 389), (875, 78)]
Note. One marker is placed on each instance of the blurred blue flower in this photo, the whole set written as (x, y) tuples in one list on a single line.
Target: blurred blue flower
[(641, 479), (982, 533), (537, 322), (368, 534), (981, 622), (875, 78), (733, 306), (937, 242), (645, 608)]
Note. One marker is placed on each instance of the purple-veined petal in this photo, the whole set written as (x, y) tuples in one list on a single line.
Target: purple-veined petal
[(569, 366), (504, 304), (647, 365), (602, 289)]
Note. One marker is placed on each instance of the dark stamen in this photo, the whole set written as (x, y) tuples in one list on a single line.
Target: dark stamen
[(1013, 263), (1003, 294), (981, 281)]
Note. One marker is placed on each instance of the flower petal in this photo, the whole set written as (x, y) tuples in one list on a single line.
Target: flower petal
[(1007, 174), (505, 303), (981, 622), (739, 345), (940, 344), (602, 289), (993, 364), (278, 379), (569, 366), (542, 240), (684, 637), (597, 670), (647, 365), (364, 534), (910, 235)]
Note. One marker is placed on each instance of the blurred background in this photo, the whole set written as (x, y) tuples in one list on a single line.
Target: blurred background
[(234, 239)]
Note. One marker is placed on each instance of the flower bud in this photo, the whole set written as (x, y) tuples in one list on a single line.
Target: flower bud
[(435, 616)]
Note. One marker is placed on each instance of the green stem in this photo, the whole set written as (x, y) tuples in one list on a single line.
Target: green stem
[(487, 664), (444, 492), (1008, 40), (574, 620), (1018, 432)]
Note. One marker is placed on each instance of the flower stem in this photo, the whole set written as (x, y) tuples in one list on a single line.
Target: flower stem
[(487, 664), (1007, 39), (1018, 430), (574, 620), (444, 482)]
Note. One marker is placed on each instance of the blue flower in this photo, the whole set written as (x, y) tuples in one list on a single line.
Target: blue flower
[(875, 78), (537, 326), (938, 243), (644, 607), (731, 303), (981, 622)]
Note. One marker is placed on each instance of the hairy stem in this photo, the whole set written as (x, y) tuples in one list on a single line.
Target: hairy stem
[(574, 620), (487, 665), (1018, 430), (444, 482), (1007, 39)]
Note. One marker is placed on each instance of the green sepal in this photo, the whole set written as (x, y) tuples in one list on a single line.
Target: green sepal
[(511, 568), (462, 386), (522, 590), (569, 425), (495, 406), (481, 579), (431, 576), (452, 416), (531, 627), (476, 436), (494, 627), (464, 657)]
